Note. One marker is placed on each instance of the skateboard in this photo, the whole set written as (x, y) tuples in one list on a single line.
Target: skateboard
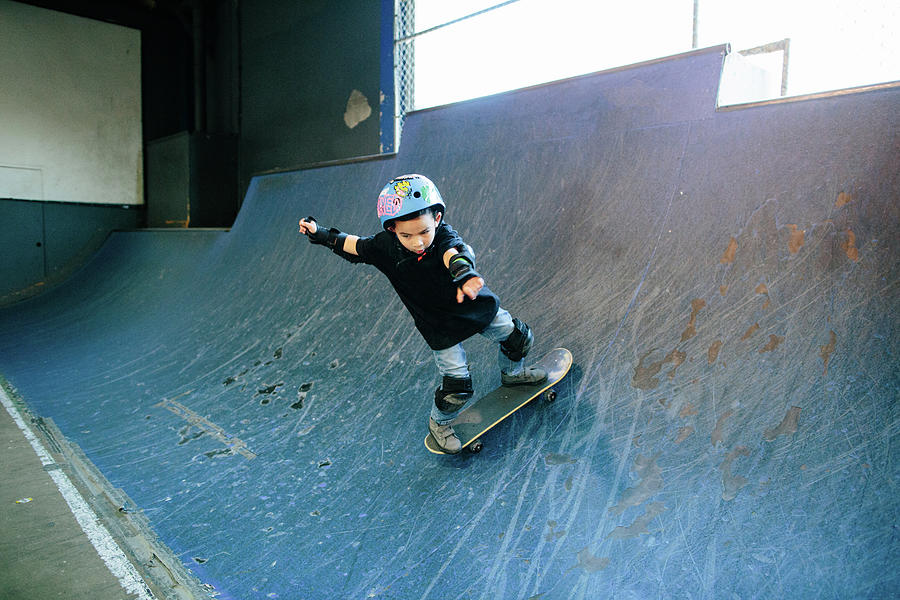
[(483, 414)]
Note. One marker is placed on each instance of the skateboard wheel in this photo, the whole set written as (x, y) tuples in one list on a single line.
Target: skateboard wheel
[(550, 396), (476, 447)]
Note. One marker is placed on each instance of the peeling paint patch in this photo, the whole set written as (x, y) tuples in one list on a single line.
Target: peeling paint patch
[(677, 358), (688, 410), (684, 433), (749, 333), (717, 437), (645, 377), (730, 252), (651, 483), (559, 459), (850, 246), (763, 290), (589, 562), (358, 109), (774, 342), (788, 425), (843, 199), (639, 526), (732, 484), (713, 354), (827, 350), (696, 306), (796, 240), (554, 534)]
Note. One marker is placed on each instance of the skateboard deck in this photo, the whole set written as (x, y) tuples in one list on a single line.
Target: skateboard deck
[(484, 413)]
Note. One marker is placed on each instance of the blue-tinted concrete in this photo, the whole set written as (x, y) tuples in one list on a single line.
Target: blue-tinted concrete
[(727, 281)]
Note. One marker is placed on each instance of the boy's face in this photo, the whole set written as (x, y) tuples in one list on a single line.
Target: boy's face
[(417, 234)]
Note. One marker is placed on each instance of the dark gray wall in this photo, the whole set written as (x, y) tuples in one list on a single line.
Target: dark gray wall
[(45, 242), (193, 180), (300, 61)]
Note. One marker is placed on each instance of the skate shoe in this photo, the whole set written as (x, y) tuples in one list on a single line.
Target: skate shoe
[(530, 376), (445, 437)]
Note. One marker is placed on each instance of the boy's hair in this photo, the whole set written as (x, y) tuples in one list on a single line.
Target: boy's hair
[(434, 210)]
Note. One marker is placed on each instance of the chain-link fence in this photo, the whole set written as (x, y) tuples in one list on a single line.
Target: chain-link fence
[(404, 58)]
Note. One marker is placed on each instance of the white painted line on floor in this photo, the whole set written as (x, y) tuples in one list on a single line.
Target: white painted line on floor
[(114, 557)]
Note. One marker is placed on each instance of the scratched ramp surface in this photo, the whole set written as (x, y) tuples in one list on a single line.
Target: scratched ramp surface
[(727, 282)]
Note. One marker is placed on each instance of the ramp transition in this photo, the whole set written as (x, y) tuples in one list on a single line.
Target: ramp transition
[(727, 282)]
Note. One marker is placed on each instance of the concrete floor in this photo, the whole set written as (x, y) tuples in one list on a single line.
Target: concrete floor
[(44, 553)]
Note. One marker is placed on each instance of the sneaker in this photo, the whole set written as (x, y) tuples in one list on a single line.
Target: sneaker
[(530, 376), (445, 437)]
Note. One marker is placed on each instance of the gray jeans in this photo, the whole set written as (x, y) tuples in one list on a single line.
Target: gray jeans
[(451, 362)]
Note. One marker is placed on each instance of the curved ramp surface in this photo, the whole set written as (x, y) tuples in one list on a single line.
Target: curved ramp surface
[(727, 282)]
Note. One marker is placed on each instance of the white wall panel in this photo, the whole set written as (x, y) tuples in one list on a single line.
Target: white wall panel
[(70, 108)]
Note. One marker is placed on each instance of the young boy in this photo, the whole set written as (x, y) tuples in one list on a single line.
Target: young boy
[(433, 272)]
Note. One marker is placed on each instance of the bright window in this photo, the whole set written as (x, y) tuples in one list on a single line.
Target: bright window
[(830, 44)]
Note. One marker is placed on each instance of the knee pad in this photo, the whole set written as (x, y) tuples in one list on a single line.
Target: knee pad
[(518, 344), (453, 393)]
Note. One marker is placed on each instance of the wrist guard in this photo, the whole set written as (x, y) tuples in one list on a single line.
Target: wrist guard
[(332, 239), (462, 266), (326, 237)]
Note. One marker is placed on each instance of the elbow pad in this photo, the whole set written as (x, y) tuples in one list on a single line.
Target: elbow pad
[(339, 249), (462, 266)]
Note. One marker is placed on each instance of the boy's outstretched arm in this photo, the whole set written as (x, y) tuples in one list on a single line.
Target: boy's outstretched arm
[(328, 237), (462, 268)]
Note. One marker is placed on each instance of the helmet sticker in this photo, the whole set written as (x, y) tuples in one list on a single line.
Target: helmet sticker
[(389, 204), (402, 188)]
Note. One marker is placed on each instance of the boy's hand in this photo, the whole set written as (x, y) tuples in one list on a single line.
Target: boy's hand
[(317, 234), (308, 227), (469, 289)]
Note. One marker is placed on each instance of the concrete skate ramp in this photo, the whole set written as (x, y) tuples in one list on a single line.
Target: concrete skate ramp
[(727, 281)]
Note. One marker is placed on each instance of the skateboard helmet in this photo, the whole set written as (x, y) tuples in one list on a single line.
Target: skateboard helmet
[(405, 195)]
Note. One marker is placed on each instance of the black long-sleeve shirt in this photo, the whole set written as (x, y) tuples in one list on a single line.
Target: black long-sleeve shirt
[(426, 288)]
